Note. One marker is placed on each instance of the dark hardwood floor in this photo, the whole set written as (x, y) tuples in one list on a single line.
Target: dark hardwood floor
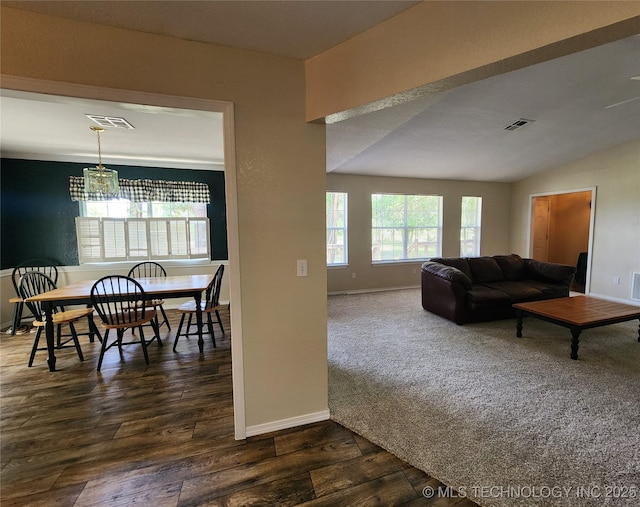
[(162, 435)]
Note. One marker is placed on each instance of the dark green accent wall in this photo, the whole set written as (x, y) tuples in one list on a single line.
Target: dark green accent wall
[(37, 217)]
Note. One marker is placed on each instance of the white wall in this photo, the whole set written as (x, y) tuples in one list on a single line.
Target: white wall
[(280, 182), (616, 237)]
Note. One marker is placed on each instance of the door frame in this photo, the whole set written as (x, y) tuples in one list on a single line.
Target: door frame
[(231, 194), (592, 216)]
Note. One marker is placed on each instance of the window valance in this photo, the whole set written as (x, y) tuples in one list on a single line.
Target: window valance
[(146, 191)]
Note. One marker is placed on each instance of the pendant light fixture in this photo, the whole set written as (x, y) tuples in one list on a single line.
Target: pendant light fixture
[(99, 179)]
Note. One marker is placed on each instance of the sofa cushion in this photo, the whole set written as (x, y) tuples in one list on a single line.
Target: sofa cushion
[(517, 292), (481, 297), (484, 269), (513, 266), (549, 290), (550, 272), (455, 262)]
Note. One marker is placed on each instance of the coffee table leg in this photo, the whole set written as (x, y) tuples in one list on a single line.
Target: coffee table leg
[(519, 323), (575, 334)]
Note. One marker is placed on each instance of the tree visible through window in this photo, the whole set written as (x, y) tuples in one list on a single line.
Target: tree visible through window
[(124, 208), (405, 227), (470, 223), (336, 215)]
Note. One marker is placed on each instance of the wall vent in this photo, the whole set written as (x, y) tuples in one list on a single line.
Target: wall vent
[(110, 121), (635, 286), (518, 124)]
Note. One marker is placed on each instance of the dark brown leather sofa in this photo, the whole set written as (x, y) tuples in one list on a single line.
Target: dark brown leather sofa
[(476, 289)]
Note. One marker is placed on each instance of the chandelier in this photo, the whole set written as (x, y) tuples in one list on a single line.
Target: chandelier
[(99, 179)]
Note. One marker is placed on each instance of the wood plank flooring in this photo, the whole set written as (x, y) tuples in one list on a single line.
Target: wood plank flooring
[(162, 435)]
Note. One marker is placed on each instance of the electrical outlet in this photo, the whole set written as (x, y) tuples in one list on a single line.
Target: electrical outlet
[(353, 275), (616, 280), (302, 267)]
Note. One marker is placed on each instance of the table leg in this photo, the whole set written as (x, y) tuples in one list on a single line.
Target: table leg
[(575, 334), (519, 317), (198, 298), (639, 330), (50, 335)]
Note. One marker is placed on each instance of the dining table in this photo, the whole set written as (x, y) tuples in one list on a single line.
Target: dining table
[(79, 293)]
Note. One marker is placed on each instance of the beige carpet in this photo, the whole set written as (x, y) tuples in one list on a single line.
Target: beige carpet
[(509, 421)]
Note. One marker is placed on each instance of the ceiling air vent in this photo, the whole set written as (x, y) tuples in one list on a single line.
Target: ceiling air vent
[(110, 121), (518, 124)]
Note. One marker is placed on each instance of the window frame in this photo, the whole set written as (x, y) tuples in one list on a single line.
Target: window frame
[(406, 228), (94, 238), (343, 229), (109, 239), (476, 229)]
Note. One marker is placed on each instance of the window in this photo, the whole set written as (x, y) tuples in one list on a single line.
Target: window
[(336, 213), (133, 229), (405, 227), (470, 226), (124, 208), (103, 239)]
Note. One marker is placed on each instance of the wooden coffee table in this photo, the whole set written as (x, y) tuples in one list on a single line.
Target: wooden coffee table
[(577, 313)]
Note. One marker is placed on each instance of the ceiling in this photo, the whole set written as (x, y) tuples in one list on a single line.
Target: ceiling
[(580, 104), (295, 29), (48, 127)]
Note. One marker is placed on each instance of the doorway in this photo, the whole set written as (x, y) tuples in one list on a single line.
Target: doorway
[(562, 231), (225, 108)]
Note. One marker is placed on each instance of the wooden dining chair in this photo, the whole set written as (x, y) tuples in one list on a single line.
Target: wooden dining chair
[(45, 266), (150, 269), (211, 304), (33, 283), (120, 302)]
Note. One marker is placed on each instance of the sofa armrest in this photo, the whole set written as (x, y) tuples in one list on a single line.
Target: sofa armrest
[(444, 291), (447, 273), (551, 272)]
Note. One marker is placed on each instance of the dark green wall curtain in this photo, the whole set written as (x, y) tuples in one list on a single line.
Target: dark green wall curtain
[(38, 216)]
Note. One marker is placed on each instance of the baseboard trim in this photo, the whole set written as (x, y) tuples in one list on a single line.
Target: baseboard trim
[(365, 291), (284, 424), (614, 299)]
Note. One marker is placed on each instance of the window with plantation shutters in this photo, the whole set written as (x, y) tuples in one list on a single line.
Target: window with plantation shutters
[(148, 220), (133, 239)]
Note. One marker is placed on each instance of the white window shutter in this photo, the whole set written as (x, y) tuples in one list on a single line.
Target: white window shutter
[(89, 237), (138, 237), (115, 239), (179, 238), (198, 238), (159, 238)]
